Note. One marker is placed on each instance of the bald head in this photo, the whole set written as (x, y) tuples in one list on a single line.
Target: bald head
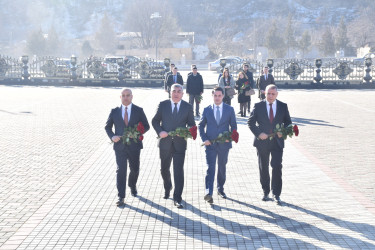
[(126, 96)]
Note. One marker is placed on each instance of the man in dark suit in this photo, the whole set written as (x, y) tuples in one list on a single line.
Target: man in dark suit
[(166, 77), (249, 74), (172, 114), (264, 80), (173, 78), (194, 87), (216, 118), (262, 122), (127, 115)]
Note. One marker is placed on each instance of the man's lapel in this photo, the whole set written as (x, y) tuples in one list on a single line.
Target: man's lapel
[(119, 117), (278, 111), (132, 114)]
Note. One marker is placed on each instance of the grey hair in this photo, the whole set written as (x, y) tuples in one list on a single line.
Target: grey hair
[(177, 85), (271, 86)]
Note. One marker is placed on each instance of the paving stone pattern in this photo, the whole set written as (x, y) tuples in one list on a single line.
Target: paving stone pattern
[(57, 178)]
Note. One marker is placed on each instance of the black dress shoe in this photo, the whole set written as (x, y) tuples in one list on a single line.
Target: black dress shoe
[(222, 194), (278, 200), (265, 197), (208, 198), (120, 202), (167, 193), (134, 191), (178, 204)]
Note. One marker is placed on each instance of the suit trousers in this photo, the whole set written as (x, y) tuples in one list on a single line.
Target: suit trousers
[(193, 98), (270, 147), (178, 157), (122, 158), (213, 152)]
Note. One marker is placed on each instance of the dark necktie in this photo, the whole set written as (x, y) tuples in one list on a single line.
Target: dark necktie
[(126, 119), (271, 113), (175, 110)]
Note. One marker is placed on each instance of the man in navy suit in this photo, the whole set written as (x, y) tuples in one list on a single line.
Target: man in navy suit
[(127, 115), (262, 122), (172, 114), (216, 118)]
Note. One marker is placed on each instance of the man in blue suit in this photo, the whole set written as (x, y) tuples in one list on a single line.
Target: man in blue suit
[(127, 115), (216, 119)]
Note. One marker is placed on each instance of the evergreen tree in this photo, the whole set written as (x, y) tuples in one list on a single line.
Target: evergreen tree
[(327, 44), (87, 50), (105, 37), (289, 35), (36, 43), (52, 43), (305, 42), (341, 40), (275, 42)]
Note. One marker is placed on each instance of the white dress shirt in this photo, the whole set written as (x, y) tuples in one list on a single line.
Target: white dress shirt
[(178, 105), (214, 106), (274, 106), (129, 111)]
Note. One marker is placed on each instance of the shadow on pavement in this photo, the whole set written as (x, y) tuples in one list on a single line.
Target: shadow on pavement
[(304, 121), (198, 230), (306, 229)]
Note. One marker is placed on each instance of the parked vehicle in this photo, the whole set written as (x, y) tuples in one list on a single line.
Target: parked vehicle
[(215, 65), (361, 60)]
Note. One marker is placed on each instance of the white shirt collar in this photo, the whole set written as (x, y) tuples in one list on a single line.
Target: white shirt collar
[(221, 106), (178, 105), (129, 107)]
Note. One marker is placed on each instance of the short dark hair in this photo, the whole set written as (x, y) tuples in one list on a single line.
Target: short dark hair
[(175, 68), (246, 64), (218, 89)]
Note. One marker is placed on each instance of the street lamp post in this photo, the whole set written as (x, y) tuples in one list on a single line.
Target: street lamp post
[(25, 72), (73, 62), (120, 63), (368, 63), (318, 64), (156, 17)]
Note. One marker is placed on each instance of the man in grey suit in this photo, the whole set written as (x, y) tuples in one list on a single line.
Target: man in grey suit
[(263, 81), (172, 114), (127, 115), (216, 118)]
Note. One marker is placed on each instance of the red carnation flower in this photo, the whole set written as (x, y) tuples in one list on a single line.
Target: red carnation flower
[(193, 132), (140, 128), (295, 130), (235, 135), (141, 138)]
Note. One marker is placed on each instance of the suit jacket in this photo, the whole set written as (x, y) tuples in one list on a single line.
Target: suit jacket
[(210, 130), (115, 118), (263, 83), (260, 123), (164, 121), (166, 78), (170, 81)]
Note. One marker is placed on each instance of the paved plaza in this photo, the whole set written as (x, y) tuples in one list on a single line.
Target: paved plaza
[(58, 180)]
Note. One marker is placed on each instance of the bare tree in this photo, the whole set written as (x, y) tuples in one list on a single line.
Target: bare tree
[(138, 19)]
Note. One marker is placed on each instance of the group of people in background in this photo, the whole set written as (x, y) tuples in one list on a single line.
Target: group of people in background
[(244, 84)]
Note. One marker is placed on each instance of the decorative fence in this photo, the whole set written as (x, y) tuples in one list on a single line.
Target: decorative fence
[(300, 71), (286, 71), (93, 67)]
